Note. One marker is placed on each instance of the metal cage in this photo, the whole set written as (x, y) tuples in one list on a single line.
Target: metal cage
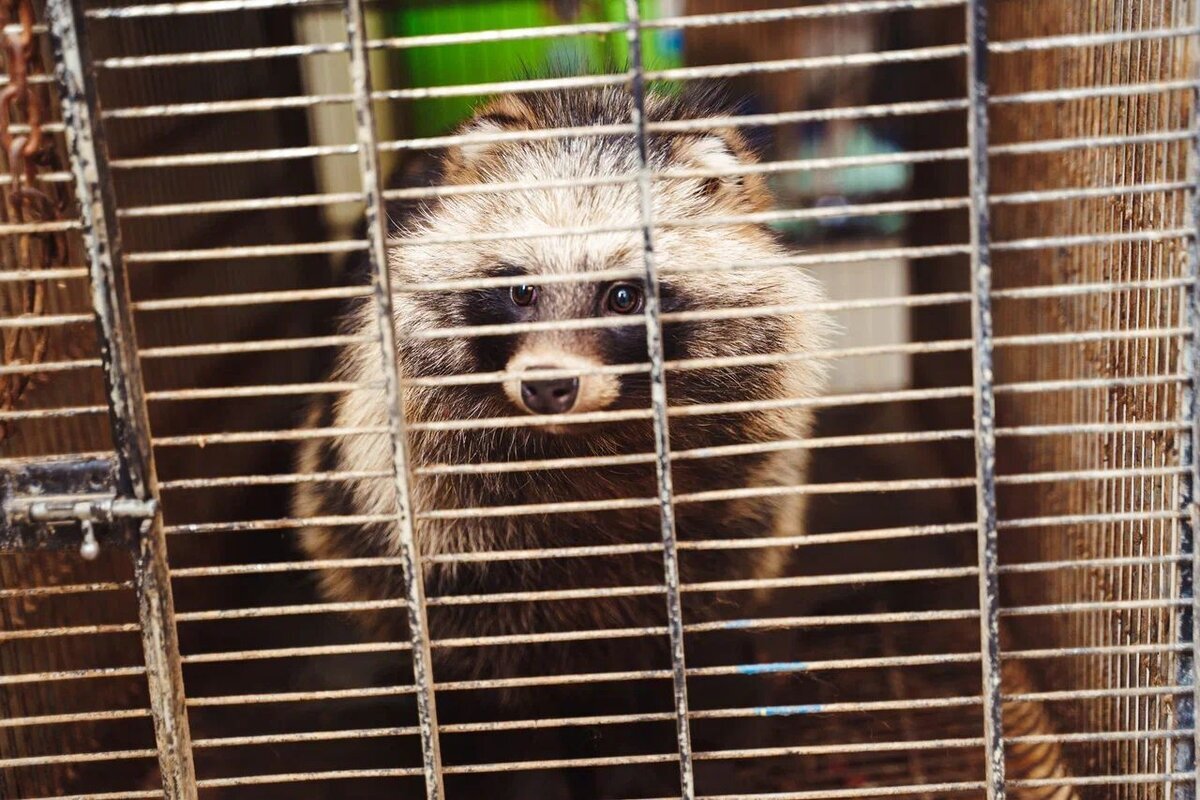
[(994, 595)]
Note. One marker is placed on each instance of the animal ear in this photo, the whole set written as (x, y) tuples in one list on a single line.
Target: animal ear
[(724, 154), (503, 114)]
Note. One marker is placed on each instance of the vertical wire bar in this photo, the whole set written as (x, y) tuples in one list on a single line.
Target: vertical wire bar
[(985, 401), (136, 475), (381, 284), (658, 402), (1187, 620)]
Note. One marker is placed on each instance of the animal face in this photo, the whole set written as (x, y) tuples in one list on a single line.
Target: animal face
[(547, 278)]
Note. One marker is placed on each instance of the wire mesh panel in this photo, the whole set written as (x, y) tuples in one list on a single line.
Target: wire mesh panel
[(1116, 228), (528, 419)]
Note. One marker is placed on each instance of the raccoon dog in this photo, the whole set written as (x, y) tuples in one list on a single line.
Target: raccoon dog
[(693, 251)]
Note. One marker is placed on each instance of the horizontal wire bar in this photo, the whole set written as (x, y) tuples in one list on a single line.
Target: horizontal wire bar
[(1090, 518), (205, 107), (54, 274), (1091, 92), (249, 204), (304, 777), (48, 366), (44, 226), (573, 679), (258, 346), (603, 634), (1089, 142), (1060, 695), (71, 675), (1096, 605), (12, 634), (246, 251), (837, 708), (1076, 40), (52, 413), (76, 758), (131, 795), (1043, 242), (226, 570), (307, 736), (1101, 736), (272, 480), (195, 7), (828, 620), (277, 524), (1102, 780), (543, 723), (842, 748), (560, 763), (290, 610), (258, 437), (929, 789), (1087, 563), (251, 298), (1115, 650), (271, 390), (71, 588), (221, 56), (791, 667), (296, 652), (298, 697), (868, 747), (75, 718), (44, 320), (925, 789), (228, 156)]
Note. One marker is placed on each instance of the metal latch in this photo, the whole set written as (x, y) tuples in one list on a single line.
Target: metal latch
[(43, 501)]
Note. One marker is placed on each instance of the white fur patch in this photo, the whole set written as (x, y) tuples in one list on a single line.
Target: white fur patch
[(472, 151), (711, 152)]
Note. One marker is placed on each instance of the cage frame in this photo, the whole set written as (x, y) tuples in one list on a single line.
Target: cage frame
[(136, 479)]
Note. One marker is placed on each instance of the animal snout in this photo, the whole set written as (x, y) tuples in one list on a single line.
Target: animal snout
[(550, 396)]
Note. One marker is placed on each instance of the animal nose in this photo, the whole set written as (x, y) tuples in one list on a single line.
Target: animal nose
[(550, 397)]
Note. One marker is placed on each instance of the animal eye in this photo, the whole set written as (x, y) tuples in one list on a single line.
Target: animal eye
[(624, 298), (523, 295)]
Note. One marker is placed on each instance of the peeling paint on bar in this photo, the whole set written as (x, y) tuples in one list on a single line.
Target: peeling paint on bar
[(984, 399), (658, 402), (128, 415), (367, 147)]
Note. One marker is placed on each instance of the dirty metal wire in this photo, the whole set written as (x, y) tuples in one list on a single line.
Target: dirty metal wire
[(658, 401), (1187, 620), (381, 285), (137, 478), (984, 401)]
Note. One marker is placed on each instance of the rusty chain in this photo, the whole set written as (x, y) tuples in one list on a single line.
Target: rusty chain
[(28, 152)]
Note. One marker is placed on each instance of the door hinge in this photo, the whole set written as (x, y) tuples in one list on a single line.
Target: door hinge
[(60, 503)]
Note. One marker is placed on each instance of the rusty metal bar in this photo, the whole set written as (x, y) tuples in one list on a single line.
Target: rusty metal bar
[(381, 284), (1187, 621), (984, 400), (658, 403), (136, 476)]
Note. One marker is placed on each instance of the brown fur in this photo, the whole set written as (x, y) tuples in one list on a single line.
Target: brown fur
[(683, 249)]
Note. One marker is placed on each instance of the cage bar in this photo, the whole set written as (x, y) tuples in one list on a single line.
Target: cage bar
[(381, 284), (984, 400), (658, 407), (128, 416)]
